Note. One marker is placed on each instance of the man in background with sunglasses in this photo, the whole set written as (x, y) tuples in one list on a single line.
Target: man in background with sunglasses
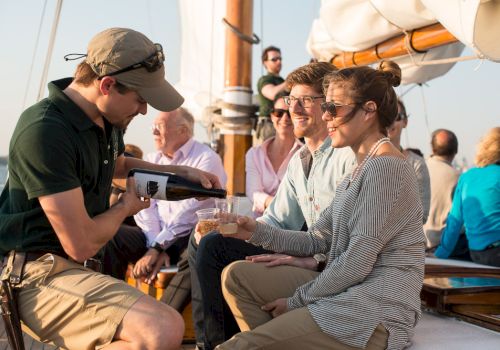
[(54, 211), (268, 87)]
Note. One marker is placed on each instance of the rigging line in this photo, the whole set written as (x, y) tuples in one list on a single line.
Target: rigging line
[(426, 114), (261, 34), (53, 33), (37, 41), (212, 29)]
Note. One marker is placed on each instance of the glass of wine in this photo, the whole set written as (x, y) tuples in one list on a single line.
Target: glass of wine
[(228, 214), (207, 220)]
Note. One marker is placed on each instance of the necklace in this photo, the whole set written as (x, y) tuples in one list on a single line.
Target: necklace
[(369, 155)]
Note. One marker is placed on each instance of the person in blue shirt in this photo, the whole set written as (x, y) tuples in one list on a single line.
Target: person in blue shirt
[(476, 206)]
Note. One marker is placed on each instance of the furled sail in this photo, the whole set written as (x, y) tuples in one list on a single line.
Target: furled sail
[(355, 25)]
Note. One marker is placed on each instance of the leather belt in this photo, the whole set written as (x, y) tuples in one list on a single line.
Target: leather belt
[(92, 264)]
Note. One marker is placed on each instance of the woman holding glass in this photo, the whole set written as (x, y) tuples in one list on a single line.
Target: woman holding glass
[(366, 293)]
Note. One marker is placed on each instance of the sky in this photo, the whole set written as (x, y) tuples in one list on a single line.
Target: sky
[(463, 100)]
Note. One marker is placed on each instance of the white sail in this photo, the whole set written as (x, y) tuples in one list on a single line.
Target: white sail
[(202, 53), (354, 25)]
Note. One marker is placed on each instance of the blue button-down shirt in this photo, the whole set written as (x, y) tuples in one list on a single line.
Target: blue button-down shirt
[(301, 198)]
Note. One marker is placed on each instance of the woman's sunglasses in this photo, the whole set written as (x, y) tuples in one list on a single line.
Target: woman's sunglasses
[(278, 112)]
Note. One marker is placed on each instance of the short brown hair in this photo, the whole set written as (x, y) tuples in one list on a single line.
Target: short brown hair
[(85, 75), (266, 51), (445, 145), (488, 149), (367, 84), (311, 74)]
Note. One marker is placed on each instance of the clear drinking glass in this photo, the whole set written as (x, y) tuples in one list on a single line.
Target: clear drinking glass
[(207, 220), (228, 214)]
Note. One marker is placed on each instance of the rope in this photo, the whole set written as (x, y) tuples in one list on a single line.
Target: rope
[(261, 34), (426, 114), (254, 39), (50, 49), (450, 60), (28, 83)]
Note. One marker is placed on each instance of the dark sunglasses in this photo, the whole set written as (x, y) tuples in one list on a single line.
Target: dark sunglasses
[(151, 64), (278, 112), (401, 116), (332, 107), (275, 59)]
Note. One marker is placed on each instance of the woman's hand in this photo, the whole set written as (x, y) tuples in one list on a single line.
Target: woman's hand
[(277, 307), (283, 259), (246, 228)]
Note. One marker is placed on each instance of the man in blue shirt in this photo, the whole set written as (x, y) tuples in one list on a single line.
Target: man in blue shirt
[(308, 187)]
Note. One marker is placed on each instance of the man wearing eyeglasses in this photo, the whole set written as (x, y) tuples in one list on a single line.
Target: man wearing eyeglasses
[(54, 210), (268, 87), (307, 188)]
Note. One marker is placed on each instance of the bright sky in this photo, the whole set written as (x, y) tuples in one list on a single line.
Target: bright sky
[(464, 100)]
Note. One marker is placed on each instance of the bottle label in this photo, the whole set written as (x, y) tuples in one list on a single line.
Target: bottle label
[(151, 185)]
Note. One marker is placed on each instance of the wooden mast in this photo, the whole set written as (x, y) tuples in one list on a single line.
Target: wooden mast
[(236, 124), (415, 41)]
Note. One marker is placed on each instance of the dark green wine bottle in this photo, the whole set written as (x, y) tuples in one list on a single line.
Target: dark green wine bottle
[(169, 186)]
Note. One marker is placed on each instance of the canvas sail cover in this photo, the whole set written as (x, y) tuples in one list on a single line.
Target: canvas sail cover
[(202, 53), (354, 25)]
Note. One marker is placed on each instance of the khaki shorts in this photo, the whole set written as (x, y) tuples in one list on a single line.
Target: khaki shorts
[(65, 304)]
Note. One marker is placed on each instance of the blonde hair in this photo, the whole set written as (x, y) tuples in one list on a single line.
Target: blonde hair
[(488, 149)]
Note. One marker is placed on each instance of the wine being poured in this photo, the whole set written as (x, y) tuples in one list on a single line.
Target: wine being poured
[(169, 186)]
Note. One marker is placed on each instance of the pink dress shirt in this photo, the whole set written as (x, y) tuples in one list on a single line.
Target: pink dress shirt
[(261, 179), (165, 221)]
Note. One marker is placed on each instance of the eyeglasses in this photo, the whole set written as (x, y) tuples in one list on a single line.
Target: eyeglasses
[(304, 101), (332, 107), (152, 63), (275, 59), (158, 127), (278, 112)]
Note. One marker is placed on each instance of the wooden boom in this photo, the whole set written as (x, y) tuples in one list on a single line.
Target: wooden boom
[(415, 41)]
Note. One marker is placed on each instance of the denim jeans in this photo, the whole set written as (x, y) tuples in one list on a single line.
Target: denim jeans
[(209, 259)]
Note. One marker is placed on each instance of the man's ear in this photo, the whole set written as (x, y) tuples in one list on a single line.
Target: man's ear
[(105, 84)]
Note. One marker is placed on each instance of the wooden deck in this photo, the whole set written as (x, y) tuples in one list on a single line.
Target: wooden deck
[(31, 344)]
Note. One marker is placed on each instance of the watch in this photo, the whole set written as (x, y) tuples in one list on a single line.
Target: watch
[(158, 247), (320, 261)]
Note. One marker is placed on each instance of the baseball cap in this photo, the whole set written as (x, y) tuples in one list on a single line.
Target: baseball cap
[(136, 62)]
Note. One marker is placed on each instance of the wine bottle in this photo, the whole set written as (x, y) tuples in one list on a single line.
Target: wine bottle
[(169, 186)]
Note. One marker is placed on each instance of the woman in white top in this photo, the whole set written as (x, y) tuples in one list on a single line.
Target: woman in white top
[(266, 164), (416, 161)]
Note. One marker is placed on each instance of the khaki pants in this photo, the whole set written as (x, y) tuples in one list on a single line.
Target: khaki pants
[(247, 286), (65, 304)]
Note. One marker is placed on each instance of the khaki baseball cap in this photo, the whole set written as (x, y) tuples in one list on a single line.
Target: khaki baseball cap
[(117, 49)]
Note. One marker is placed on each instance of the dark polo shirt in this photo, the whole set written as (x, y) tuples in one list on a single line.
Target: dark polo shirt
[(55, 148), (266, 105)]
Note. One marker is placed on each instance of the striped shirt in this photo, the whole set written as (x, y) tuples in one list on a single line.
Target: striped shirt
[(373, 238)]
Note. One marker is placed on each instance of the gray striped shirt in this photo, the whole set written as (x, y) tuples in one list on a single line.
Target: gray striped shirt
[(373, 238)]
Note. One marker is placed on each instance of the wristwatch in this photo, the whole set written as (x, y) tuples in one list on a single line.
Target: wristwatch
[(158, 247), (320, 261)]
